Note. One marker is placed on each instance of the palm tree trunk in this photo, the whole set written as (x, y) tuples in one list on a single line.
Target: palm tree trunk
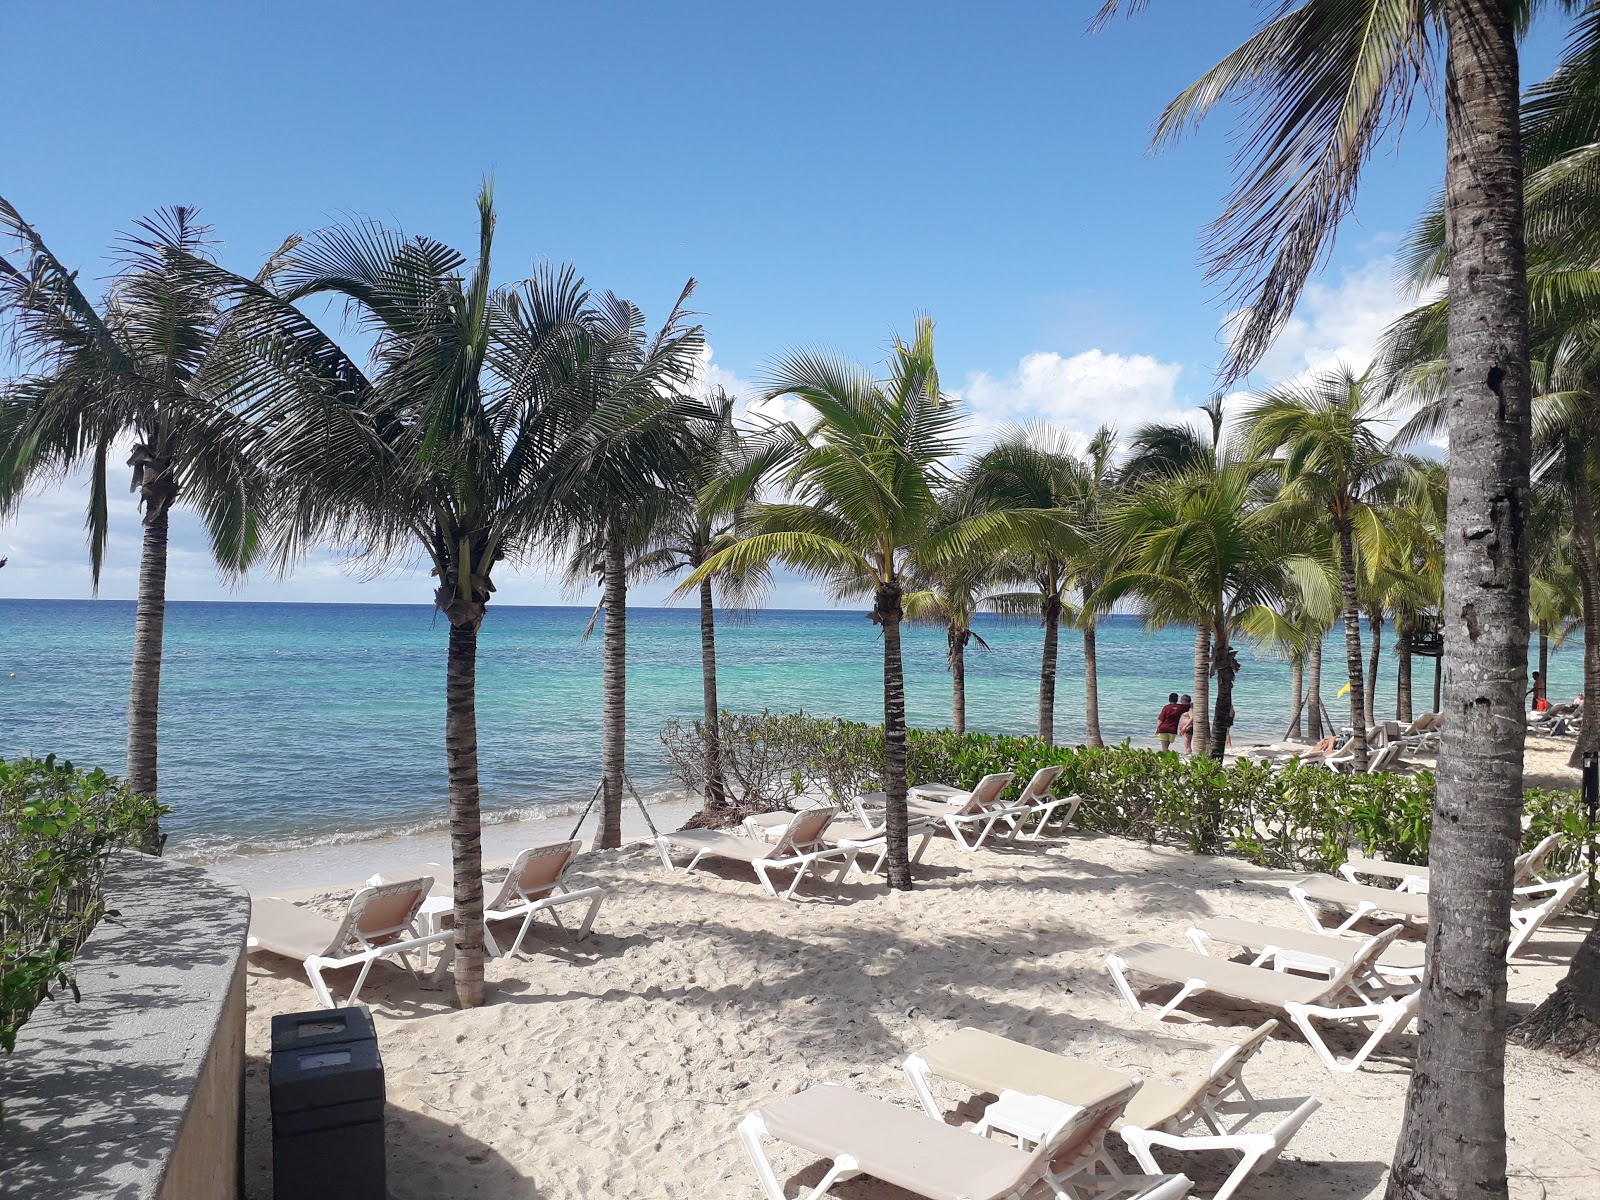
[(1221, 717), (957, 653), (1402, 683), (887, 614), (1091, 685), (1544, 662), (1047, 671), (614, 715), (1202, 687), (1569, 1018), (1297, 694), (1587, 564), (144, 694), (466, 845), (1374, 627), (1453, 1141), (1314, 729), (1352, 644), (716, 791)]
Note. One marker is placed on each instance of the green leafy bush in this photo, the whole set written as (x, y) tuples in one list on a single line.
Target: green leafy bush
[(58, 828), (1298, 818)]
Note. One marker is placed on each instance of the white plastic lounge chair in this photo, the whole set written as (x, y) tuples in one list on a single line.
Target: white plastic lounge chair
[(1036, 801), (1209, 1113), (1303, 999), (1415, 879), (535, 884), (981, 809), (799, 848), (866, 1136), (1526, 916), (1279, 949), (864, 839), (380, 922)]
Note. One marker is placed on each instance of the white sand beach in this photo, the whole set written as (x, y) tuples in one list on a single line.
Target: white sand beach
[(619, 1066)]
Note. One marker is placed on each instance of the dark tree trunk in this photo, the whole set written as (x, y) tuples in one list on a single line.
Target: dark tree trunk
[(614, 715), (1091, 686), (1222, 715), (1297, 695), (1438, 685), (716, 792), (1374, 627), (144, 695), (1587, 565), (887, 613), (956, 640), (1202, 687), (1569, 1018), (1352, 643), (1047, 670), (1544, 664), (466, 845), (1453, 1142), (1402, 682), (1314, 729)]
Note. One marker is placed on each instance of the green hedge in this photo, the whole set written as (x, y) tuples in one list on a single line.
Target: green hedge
[(58, 828), (1299, 818)]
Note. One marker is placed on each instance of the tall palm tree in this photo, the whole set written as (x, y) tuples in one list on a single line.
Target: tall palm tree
[(1091, 566), (1321, 83), (863, 486), (631, 488), (701, 518), (1335, 459), (1033, 473), (139, 368), (483, 409), (1200, 542), (950, 594)]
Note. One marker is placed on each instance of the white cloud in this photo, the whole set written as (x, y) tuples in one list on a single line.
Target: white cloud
[(1077, 394), (1337, 322)]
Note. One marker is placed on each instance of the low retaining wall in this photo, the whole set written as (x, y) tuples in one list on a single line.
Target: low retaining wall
[(135, 1092)]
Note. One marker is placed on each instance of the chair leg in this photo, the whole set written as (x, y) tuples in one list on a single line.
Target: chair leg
[(766, 883), (319, 986), (361, 981), (917, 1072), (1116, 967), (1189, 988), (588, 918), (664, 850)]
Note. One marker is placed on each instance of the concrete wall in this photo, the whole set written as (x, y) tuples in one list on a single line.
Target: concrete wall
[(134, 1092)]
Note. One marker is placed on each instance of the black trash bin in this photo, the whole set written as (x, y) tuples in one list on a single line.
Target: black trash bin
[(327, 1106)]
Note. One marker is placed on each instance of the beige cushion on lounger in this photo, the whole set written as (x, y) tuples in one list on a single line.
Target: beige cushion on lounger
[(1236, 980), (280, 927), (1340, 948), (1342, 891), (724, 845), (897, 1145)]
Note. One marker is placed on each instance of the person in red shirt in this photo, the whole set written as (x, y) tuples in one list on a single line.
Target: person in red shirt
[(1167, 722)]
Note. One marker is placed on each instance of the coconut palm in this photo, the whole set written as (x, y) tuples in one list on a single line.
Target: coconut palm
[(1033, 473), (1333, 458), (863, 485), (1091, 566), (483, 409), (138, 369), (950, 594)]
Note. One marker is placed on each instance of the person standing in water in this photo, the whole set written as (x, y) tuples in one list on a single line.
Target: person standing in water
[(1186, 724), (1167, 721)]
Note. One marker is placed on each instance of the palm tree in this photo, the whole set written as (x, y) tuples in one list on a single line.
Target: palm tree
[(139, 367), (631, 487), (1334, 459), (702, 518), (484, 408), (1200, 543), (1091, 567), (863, 486), (950, 594), (1321, 84), (1033, 474)]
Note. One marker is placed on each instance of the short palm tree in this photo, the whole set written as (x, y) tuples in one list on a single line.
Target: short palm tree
[(863, 486), (1332, 457), (484, 408), (140, 368), (950, 594)]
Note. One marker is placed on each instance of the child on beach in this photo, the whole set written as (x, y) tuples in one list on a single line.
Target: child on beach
[(1167, 721), (1186, 724)]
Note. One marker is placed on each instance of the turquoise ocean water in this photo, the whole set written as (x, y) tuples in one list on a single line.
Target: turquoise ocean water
[(288, 725)]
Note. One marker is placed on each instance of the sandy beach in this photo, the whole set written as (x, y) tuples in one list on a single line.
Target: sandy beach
[(619, 1066)]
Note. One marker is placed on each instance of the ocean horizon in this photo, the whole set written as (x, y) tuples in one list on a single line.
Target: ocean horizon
[(286, 725)]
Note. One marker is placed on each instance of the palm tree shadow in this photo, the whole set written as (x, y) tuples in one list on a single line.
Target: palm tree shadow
[(426, 1158)]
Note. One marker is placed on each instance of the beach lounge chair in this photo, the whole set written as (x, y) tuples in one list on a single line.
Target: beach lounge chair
[(962, 811), (535, 884), (800, 848), (1211, 1112), (1304, 1000), (1036, 801), (1360, 900), (866, 840), (379, 923), (862, 1135), (1409, 878), (1279, 949)]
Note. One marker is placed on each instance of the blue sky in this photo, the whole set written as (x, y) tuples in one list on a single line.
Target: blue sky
[(825, 170)]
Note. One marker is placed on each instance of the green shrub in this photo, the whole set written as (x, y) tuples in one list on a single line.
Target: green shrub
[(1296, 819), (58, 828)]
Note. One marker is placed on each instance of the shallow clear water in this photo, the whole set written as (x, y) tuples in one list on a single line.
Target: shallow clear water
[(295, 724)]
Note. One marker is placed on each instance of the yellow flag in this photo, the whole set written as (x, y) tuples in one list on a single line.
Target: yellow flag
[(1344, 689)]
